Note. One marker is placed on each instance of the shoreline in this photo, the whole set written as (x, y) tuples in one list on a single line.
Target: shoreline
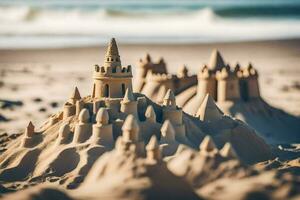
[(158, 43)]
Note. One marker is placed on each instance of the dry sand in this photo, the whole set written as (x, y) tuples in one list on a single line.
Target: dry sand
[(40, 79)]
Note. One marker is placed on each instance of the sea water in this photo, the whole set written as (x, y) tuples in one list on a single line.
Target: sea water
[(68, 23)]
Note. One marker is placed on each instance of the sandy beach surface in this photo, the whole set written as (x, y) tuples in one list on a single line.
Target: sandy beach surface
[(42, 79)]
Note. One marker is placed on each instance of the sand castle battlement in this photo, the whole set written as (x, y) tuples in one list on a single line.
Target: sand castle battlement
[(217, 78)]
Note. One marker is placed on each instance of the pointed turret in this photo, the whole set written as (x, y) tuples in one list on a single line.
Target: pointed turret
[(75, 95), (153, 151), (129, 104), (228, 152), (27, 140), (208, 110), (237, 67), (169, 99), (112, 57), (207, 145), (148, 58), (152, 144), (112, 48), (111, 79), (182, 72), (130, 129), (161, 60), (216, 61), (167, 131), (128, 97), (29, 132), (150, 114)]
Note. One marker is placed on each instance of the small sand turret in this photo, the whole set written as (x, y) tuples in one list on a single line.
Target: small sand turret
[(79, 107), (130, 136), (29, 131), (207, 146), (182, 72), (167, 132), (102, 130), (83, 128), (208, 110), (169, 99), (69, 108), (251, 77), (174, 114), (150, 114), (168, 143), (228, 85), (130, 130), (216, 61), (75, 96), (129, 104), (206, 83), (153, 150), (63, 134), (28, 135), (228, 151)]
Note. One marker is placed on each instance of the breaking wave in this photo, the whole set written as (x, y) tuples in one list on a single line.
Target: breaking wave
[(70, 26)]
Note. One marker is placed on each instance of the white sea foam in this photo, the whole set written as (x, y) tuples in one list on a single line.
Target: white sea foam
[(27, 26)]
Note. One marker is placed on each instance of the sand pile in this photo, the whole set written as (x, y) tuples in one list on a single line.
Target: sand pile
[(123, 174), (267, 185), (114, 144), (235, 89), (208, 164)]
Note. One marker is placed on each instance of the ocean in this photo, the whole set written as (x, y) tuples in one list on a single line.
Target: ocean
[(69, 23)]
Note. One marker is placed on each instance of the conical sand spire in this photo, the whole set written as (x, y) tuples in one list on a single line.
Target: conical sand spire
[(169, 99), (150, 114), (130, 129), (153, 150), (167, 131), (216, 61), (112, 57), (75, 95), (208, 110), (29, 129), (128, 97), (227, 151), (152, 144), (112, 48), (148, 57), (182, 72), (207, 144)]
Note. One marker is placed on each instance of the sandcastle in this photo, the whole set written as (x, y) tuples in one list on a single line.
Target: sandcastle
[(217, 79), (234, 89), (114, 119)]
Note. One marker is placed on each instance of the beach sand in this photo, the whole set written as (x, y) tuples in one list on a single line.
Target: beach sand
[(42, 79)]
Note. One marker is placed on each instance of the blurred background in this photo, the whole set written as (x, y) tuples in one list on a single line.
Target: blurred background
[(56, 23)]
